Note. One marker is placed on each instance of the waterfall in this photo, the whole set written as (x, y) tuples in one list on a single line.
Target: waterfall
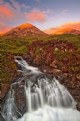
[(46, 100), (10, 110)]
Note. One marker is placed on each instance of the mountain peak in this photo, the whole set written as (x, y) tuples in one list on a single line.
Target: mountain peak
[(25, 30), (26, 25)]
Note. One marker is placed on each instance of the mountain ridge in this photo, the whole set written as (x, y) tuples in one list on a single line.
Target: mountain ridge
[(62, 31), (68, 28), (29, 30)]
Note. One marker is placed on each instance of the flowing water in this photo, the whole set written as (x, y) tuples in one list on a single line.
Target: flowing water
[(46, 100)]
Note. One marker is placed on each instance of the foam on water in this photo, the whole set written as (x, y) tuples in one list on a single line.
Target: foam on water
[(52, 114), (47, 100)]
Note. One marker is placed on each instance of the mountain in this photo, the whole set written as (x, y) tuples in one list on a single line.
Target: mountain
[(68, 28), (25, 30), (73, 25), (62, 31), (67, 31)]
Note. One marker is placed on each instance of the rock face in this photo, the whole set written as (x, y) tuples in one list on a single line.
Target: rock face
[(25, 30)]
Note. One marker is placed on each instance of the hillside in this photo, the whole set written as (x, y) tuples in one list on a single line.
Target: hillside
[(55, 54), (20, 46), (25, 30), (68, 28), (67, 31), (54, 31)]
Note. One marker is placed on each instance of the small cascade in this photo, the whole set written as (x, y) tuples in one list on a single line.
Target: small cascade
[(10, 111), (46, 100), (28, 96), (26, 68), (52, 94)]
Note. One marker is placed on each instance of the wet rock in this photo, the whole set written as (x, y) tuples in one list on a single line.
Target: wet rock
[(1, 118), (78, 106)]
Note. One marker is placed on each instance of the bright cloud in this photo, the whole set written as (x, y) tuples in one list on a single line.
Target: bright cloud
[(10, 13), (15, 11), (5, 11), (36, 16), (74, 25)]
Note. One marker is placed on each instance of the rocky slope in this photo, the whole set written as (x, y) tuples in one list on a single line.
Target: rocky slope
[(57, 57), (60, 59), (25, 30)]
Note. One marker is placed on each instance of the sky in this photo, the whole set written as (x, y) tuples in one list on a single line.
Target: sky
[(42, 13)]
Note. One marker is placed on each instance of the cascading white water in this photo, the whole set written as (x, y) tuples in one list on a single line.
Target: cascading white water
[(47, 100), (10, 109)]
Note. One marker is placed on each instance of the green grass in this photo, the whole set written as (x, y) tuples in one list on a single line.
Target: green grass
[(18, 46), (75, 39)]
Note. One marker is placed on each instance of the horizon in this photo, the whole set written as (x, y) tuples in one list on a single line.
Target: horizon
[(42, 14)]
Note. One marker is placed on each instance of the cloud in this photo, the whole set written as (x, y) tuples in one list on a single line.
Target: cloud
[(1, 1), (13, 12), (74, 25), (10, 12), (36, 16), (66, 26), (4, 28), (65, 12), (5, 11), (38, 1)]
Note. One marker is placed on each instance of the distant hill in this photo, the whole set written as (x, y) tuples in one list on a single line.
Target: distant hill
[(67, 31), (62, 31), (69, 28), (25, 30)]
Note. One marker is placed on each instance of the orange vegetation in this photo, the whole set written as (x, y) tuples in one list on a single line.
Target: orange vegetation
[(64, 28), (61, 31), (26, 25)]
